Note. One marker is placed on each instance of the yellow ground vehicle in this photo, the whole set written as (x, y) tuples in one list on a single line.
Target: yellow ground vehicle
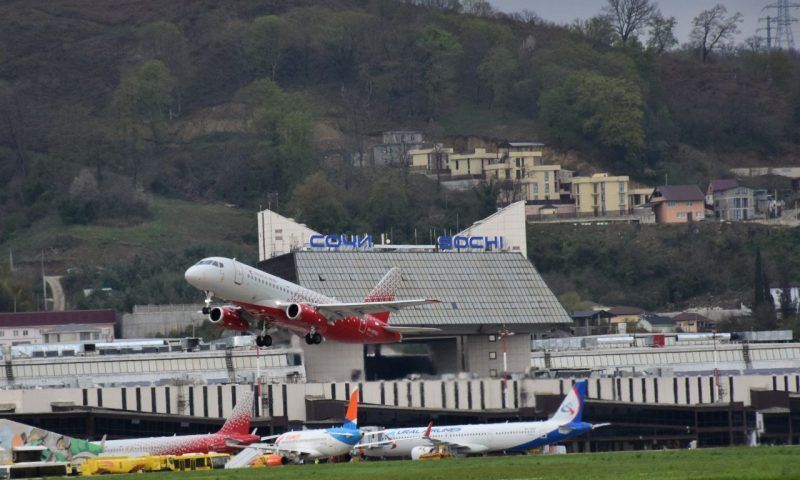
[(154, 463), (199, 461)]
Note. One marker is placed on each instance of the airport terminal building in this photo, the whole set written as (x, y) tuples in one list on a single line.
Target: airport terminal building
[(492, 298)]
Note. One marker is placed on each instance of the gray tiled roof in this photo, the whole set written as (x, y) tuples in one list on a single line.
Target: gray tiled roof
[(475, 288)]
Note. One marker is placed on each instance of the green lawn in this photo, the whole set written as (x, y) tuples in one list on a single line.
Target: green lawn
[(763, 462)]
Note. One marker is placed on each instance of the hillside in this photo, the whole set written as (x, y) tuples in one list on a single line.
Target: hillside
[(115, 114)]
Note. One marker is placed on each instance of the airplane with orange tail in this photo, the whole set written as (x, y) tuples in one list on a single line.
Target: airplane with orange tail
[(304, 445)]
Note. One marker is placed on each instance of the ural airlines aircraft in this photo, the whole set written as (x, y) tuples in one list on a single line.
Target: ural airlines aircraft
[(492, 437), (304, 445), (262, 301)]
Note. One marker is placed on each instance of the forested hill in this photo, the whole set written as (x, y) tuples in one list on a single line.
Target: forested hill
[(107, 107)]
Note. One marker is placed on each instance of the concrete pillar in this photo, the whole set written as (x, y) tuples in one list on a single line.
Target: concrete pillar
[(333, 361)]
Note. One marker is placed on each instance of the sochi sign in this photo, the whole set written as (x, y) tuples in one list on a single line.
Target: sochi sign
[(463, 242), (340, 242)]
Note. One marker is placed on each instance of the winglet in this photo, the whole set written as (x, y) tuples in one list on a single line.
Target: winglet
[(352, 409), (428, 430)]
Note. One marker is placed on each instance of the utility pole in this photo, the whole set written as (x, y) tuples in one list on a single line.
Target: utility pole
[(784, 38)]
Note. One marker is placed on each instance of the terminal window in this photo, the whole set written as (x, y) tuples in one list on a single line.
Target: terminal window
[(492, 338), (492, 355)]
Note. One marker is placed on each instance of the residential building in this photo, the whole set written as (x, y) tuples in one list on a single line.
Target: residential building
[(623, 315), (638, 196), (657, 323), (690, 322), (426, 159), (513, 160), (678, 204), (470, 164), (546, 182), (788, 296), (719, 185), (22, 328), (734, 204), (601, 194), (396, 144), (74, 333), (591, 322)]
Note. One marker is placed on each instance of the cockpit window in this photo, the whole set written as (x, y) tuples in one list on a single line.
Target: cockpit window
[(220, 265), (210, 262)]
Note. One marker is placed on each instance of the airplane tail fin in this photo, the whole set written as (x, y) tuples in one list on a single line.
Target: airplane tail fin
[(352, 411), (385, 291), (571, 409), (239, 420)]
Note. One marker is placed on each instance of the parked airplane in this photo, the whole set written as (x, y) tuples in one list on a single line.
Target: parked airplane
[(304, 445), (492, 437), (234, 432), (262, 301)]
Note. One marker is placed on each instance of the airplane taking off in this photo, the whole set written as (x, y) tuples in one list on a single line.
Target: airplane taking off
[(233, 434), (304, 445), (492, 437), (262, 301)]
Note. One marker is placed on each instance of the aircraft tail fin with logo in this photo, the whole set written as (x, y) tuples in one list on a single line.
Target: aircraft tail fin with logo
[(239, 420), (571, 409), (385, 291), (352, 411)]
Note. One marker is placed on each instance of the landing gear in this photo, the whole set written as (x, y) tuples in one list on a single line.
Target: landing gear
[(207, 307), (313, 339), (263, 340)]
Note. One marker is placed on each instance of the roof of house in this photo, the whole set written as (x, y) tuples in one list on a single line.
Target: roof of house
[(680, 193), (72, 327), (624, 310), (722, 184), (37, 319), (575, 314), (658, 320), (690, 317), (521, 144)]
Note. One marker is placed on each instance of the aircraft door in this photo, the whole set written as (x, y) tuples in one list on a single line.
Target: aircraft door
[(238, 273), (362, 325)]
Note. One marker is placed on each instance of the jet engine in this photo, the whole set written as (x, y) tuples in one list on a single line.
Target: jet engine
[(418, 452), (299, 311), (228, 318)]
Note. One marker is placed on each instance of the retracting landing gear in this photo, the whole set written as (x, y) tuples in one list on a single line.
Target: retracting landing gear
[(313, 338), (263, 340), (207, 307)]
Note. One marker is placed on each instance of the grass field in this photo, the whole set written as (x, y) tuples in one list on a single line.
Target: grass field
[(739, 463)]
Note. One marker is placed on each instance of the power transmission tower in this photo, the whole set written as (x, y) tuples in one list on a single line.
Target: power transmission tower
[(784, 38), (767, 29)]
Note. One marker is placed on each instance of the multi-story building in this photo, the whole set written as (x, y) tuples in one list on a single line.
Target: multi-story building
[(513, 160), (470, 164), (678, 204), (546, 182), (639, 195), (734, 203), (601, 194), (430, 159), (396, 144)]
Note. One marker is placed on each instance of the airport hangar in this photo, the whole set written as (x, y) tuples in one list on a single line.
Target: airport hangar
[(492, 300)]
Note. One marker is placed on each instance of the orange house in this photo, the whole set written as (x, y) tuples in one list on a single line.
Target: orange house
[(678, 204)]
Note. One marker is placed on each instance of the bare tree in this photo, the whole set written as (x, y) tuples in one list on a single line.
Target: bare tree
[(713, 29), (628, 17), (662, 33)]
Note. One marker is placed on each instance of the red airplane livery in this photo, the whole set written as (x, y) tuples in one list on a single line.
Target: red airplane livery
[(261, 302)]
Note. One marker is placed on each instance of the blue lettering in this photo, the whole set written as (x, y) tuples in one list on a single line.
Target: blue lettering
[(445, 243), (317, 241), (460, 242), (366, 241), (476, 243), (332, 241), (349, 241), (493, 243)]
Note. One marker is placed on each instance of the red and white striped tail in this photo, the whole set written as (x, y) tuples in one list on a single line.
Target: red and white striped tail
[(385, 291)]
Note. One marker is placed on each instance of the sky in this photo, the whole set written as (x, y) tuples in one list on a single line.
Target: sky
[(565, 11)]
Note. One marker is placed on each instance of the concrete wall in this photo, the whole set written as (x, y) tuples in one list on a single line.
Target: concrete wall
[(484, 354), (509, 223), (332, 361)]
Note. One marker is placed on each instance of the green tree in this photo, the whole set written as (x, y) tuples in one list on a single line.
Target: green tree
[(165, 42), (269, 37), (142, 102), (662, 33), (438, 51), (316, 202), (498, 70)]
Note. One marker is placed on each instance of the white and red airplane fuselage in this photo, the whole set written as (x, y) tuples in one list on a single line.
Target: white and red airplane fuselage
[(261, 301)]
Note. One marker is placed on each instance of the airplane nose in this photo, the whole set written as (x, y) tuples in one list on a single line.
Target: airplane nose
[(193, 275)]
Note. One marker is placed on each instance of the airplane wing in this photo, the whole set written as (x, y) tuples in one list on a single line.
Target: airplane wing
[(295, 455), (454, 446), (336, 311)]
